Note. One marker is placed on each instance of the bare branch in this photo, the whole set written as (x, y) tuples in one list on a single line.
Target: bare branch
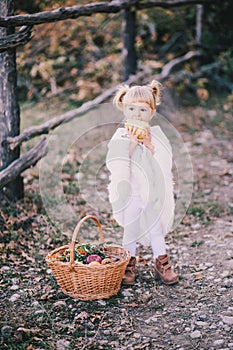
[(207, 70), (90, 9), (204, 70), (24, 162), (65, 13), (168, 67), (168, 3), (13, 40)]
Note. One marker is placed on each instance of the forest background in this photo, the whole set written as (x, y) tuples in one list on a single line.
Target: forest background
[(78, 59)]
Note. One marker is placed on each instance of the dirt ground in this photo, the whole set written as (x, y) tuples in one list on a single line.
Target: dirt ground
[(197, 313)]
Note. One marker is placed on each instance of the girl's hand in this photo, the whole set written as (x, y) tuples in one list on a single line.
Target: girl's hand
[(133, 140), (146, 140), (132, 134)]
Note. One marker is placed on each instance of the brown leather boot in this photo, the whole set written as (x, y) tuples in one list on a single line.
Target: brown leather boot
[(163, 268), (129, 276)]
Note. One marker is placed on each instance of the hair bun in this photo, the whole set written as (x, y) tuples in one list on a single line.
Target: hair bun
[(118, 99), (156, 90)]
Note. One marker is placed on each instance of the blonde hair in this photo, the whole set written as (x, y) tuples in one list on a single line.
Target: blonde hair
[(149, 94)]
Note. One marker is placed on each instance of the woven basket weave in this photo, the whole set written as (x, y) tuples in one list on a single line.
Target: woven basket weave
[(86, 282)]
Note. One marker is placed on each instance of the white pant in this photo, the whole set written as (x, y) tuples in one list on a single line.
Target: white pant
[(132, 227)]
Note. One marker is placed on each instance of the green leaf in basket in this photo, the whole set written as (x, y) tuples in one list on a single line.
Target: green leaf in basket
[(83, 250), (66, 255)]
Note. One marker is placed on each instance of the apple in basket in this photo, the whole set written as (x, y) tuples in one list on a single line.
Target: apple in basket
[(93, 257), (94, 263)]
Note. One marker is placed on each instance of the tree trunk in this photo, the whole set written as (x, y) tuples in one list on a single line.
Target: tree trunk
[(129, 51), (9, 108), (199, 15)]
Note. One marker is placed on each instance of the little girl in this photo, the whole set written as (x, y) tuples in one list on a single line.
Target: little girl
[(141, 182)]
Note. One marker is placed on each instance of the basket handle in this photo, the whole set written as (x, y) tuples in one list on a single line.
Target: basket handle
[(76, 231)]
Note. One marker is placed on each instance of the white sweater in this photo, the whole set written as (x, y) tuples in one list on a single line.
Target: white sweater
[(145, 174)]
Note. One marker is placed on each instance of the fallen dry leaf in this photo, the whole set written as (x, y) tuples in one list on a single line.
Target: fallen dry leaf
[(228, 235), (141, 261), (198, 276)]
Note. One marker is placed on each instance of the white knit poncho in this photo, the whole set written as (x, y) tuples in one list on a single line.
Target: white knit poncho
[(145, 174)]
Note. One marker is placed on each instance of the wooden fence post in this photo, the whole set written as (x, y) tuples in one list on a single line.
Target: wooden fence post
[(9, 108), (129, 51), (199, 18)]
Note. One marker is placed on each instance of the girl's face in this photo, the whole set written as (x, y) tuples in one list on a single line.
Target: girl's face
[(138, 110)]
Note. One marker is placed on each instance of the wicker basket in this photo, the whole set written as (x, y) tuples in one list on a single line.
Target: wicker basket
[(86, 282)]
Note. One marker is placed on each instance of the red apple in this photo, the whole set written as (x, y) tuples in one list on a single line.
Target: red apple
[(93, 257)]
